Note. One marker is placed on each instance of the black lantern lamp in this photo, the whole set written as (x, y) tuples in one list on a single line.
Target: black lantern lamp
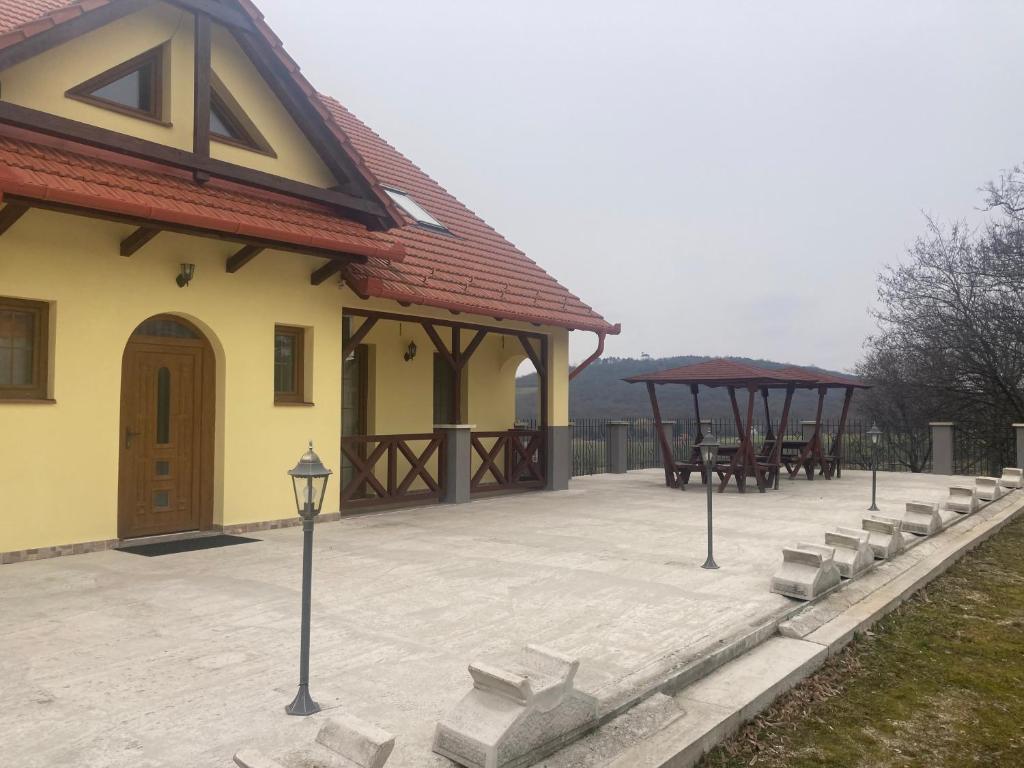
[(185, 275), (309, 480), (709, 456), (410, 353), (875, 434)]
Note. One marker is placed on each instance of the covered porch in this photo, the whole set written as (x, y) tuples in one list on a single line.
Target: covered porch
[(428, 410)]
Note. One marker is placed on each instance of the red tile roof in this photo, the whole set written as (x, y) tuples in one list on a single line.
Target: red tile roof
[(43, 169), (474, 269), (830, 380), (716, 373)]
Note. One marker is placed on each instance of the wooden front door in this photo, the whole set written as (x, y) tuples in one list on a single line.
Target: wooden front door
[(163, 446)]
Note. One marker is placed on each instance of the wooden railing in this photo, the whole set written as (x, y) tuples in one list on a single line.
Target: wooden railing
[(387, 469), (509, 460)]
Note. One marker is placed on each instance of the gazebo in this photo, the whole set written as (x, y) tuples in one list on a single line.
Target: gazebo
[(812, 453), (740, 461)]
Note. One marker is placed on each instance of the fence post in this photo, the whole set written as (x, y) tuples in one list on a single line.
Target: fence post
[(1019, 431), (572, 451), (807, 430), (615, 444), (942, 447), (458, 464)]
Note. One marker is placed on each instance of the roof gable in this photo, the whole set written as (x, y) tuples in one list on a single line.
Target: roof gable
[(471, 268)]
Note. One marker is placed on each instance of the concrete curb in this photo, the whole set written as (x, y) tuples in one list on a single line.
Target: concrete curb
[(717, 705)]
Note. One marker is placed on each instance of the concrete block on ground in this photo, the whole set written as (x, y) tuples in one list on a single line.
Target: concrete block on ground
[(808, 570), (1012, 478), (884, 535), (853, 553), (988, 488), (517, 713), (922, 518), (962, 499), (251, 758), (364, 744)]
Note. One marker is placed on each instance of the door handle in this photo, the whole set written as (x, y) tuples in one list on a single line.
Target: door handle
[(128, 435)]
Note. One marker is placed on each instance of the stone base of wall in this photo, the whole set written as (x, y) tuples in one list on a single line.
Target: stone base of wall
[(273, 525), (45, 553), (62, 550)]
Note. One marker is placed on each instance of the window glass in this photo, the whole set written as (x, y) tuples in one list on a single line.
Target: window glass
[(288, 364), (24, 337), (133, 90), (414, 209), (163, 406), (17, 342), (220, 125)]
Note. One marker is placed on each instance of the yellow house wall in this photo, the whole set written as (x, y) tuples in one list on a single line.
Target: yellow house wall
[(42, 81), (59, 462)]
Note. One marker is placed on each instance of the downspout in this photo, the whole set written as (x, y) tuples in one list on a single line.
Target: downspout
[(597, 353)]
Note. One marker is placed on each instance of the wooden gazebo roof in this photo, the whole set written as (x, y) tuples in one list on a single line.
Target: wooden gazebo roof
[(720, 372)]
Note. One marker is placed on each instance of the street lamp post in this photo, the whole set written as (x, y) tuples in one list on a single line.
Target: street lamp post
[(875, 434), (309, 479), (709, 455)]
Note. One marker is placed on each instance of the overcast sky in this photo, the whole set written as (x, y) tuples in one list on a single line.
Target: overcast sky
[(721, 177)]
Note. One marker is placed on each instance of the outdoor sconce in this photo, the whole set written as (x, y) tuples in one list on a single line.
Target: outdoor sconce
[(709, 456), (309, 480), (185, 275), (876, 435), (410, 353)]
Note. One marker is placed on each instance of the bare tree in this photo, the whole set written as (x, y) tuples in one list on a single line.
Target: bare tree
[(950, 343)]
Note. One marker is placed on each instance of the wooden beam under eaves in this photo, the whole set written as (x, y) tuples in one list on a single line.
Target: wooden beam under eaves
[(201, 83), (137, 239), (10, 215), (325, 272), (243, 257)]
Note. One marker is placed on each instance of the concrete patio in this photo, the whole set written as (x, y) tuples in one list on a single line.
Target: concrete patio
[(112, 659)]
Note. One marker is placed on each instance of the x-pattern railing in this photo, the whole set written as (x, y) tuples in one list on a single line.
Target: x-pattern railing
[(513, 460), (370, 484)]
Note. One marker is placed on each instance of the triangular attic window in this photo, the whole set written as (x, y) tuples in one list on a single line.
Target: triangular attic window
[(134, 87), (229, 124)]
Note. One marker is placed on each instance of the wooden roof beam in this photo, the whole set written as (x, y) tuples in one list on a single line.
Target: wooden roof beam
[(137, 240), (322, 275), (10, 215), (243, 257)]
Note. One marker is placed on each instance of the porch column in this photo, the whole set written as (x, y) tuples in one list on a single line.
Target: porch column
[(616, 435), (458, 465), (555, 409), (942, 447)]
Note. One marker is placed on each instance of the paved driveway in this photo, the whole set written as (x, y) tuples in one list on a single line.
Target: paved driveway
[(113, 660)]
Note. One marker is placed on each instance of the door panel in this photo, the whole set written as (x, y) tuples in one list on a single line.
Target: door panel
[(161, 430)]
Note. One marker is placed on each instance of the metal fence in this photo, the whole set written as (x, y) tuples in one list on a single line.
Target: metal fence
[(908, 451)]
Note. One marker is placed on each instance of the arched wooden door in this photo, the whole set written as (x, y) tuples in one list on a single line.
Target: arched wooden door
[(166, 437)]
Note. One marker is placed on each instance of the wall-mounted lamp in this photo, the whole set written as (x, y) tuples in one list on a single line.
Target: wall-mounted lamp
[(411, 352), (185, 275)]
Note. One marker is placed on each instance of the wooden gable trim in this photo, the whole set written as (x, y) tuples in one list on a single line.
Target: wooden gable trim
[(85, 22), (201, 82), (103, 138)]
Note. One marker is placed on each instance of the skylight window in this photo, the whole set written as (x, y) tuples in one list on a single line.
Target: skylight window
[(415, 210)]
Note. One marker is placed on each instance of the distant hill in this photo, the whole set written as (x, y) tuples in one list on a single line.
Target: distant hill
[(600, 392)]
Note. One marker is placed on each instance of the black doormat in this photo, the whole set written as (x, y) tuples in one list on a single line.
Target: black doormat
[(186, 545)]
